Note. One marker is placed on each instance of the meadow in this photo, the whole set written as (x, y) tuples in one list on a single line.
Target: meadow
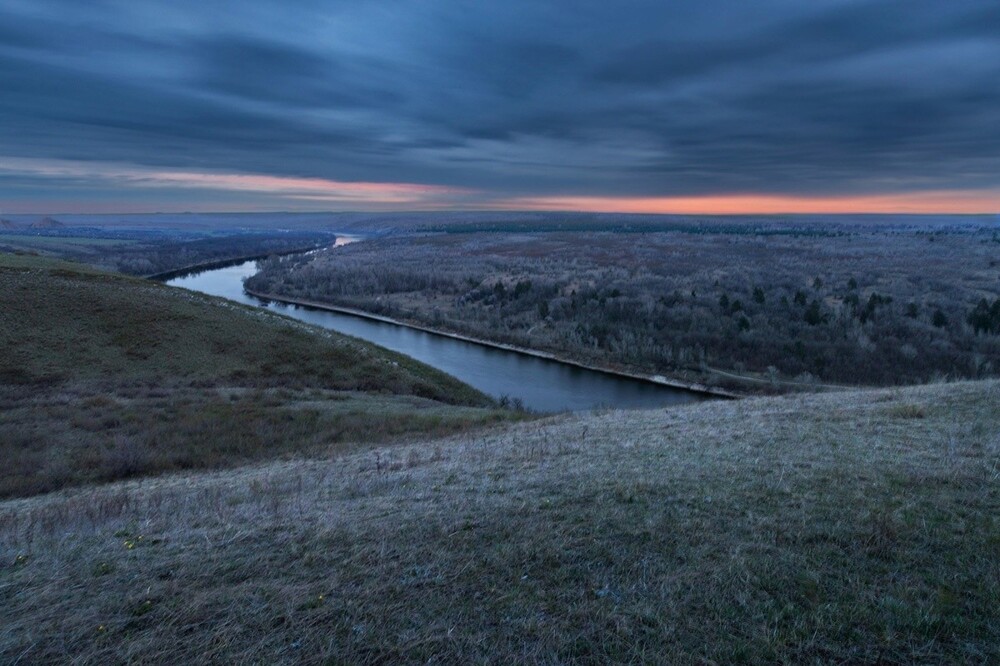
[(852, 527), (154, 251), (106, 377)]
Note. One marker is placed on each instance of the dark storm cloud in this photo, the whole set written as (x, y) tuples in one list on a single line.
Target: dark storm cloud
[(517, 98)]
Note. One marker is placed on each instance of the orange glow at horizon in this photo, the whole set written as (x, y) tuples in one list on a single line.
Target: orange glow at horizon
[(306, 193), (932, 202)]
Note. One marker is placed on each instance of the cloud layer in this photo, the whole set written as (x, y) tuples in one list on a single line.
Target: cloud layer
[(476, 104)]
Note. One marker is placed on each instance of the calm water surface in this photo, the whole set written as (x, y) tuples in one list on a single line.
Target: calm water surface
[(543, 385)]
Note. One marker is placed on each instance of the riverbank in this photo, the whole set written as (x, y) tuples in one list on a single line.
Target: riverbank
[(784, 316), (225, 263), (106, 376), (658, 380)]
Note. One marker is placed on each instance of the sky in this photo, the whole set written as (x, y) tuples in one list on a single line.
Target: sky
[(688, 106)]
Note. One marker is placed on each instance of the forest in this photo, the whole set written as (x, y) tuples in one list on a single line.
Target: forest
[(153, 252), (845, 305)]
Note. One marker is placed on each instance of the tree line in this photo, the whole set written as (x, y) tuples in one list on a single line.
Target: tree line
[(788, 308)]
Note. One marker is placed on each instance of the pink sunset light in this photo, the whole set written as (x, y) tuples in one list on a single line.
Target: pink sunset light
[(960, 202)]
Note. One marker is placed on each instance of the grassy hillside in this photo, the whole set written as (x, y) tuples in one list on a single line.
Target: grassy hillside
[(857, 527), (104, 377)]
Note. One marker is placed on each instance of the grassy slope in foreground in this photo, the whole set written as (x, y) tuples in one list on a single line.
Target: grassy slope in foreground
[(857, 527), (104, 377)]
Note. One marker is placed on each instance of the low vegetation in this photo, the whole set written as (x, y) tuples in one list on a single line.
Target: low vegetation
[(105, 377), (751, 306), (153, 251), (853, 527), (188, 480)]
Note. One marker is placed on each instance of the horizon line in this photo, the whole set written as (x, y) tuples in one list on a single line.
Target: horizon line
[(516, 211)]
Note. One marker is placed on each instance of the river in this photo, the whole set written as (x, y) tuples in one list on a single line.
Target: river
[(543, 385)]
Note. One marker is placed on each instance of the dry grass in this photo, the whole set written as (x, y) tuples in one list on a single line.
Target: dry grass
[(104, 377), (87, 432), (838, 528), (64, 322)]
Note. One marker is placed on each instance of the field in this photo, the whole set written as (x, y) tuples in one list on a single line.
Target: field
[(150, 251), (768, 306), (60, 244), (105, 377), (854, 527)]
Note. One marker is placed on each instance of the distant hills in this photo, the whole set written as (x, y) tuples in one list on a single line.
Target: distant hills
[(44, 223), (48, 223)]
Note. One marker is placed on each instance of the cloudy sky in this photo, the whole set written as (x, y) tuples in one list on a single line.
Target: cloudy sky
[(682, 106)]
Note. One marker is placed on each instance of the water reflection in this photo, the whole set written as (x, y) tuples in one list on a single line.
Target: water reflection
[(543, 385)]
